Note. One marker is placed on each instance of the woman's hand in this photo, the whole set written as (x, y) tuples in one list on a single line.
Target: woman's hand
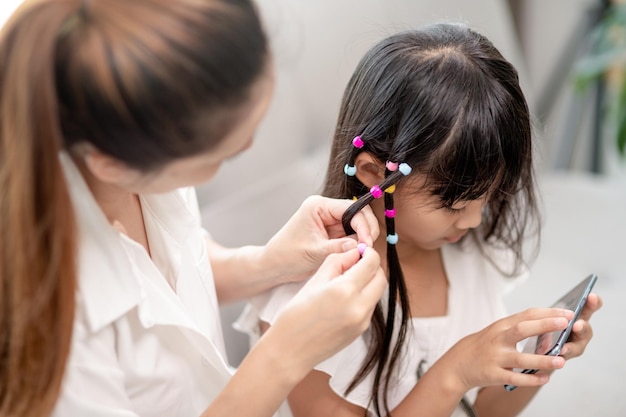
[(488, 357), (582, 331), (313, 233), (330, 311)]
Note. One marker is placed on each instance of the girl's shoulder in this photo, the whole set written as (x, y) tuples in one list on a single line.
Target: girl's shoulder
[(484, 262)]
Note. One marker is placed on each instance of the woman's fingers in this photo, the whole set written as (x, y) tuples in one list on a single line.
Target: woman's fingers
[(365, 225), (330, 212), (368, 277), (336, 264)]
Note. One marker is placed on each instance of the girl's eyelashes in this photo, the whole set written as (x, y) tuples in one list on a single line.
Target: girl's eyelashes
[(453, 210)]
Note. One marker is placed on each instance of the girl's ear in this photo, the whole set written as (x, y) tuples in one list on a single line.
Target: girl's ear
[(369, 171)]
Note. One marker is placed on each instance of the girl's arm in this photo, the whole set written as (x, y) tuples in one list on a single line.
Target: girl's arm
[(293, 254), (480, 359), (436, 395), (495, 401)]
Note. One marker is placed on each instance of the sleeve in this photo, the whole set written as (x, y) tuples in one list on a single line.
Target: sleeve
[(265, 307), (93, 384), (342, 367)]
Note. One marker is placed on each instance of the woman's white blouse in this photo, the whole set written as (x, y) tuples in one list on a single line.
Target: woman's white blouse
[(147, 338), (474, 301)]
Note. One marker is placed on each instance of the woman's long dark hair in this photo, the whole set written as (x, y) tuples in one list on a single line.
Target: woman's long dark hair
[(443, 100), (144, 81)]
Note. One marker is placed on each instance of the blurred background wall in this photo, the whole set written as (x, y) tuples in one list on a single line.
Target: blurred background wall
[(316, 46)]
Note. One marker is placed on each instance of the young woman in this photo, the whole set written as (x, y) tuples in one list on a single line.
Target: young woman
[(434, 134), (109, 111)]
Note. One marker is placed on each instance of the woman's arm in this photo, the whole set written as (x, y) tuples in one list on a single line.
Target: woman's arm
[(293, 254), (332, 309)]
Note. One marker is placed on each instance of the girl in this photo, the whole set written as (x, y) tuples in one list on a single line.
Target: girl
[(434, 134), (109, 111)]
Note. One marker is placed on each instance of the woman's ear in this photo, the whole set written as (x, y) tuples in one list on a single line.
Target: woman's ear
[(106, 168), (369, 171)]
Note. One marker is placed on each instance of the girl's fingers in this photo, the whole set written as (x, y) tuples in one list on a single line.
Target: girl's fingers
[(531, 361), (537, 322), (519, 379), (593, 304)]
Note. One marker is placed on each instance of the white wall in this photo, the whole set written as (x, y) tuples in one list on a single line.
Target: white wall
[(6, 8), (317, 45)]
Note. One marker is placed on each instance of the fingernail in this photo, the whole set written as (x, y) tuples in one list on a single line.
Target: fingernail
[(348, 245), (558, 362), (561, 322)]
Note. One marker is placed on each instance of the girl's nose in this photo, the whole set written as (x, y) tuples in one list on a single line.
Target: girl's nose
[(471, 216)]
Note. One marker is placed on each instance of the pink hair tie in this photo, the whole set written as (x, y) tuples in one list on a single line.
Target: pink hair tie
[(391, 213), (358, 142), (376, 191), (361, 247), (391, 166)]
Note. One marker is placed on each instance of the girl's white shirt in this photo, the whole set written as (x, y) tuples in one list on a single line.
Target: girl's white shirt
[(147, 337), (475, 300)]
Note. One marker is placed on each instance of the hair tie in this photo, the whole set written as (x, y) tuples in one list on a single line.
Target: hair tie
[(349, 170), (376, 191), (392, 239), (361, 247), (405, 169), (391, 166), (358, 142), (391, 189), (390, 213)]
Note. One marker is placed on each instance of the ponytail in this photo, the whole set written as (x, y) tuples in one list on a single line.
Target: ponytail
[(380, 356), (37, 226)]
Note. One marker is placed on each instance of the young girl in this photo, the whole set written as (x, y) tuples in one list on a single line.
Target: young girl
[(434, 134), (110, 110)]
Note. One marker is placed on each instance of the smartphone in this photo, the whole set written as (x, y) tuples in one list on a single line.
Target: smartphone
[(552, 343)]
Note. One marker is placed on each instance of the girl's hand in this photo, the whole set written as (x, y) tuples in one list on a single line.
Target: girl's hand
[(488, 357), (582, 331), (330, 311), (313, 233)]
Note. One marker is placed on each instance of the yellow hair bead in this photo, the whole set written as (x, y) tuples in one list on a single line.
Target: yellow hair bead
[(390, 189), (354, 198)]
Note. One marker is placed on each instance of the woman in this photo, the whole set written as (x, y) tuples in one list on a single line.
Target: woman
[(111, 110)]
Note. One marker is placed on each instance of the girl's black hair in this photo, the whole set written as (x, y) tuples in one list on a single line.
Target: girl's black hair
[(443, 100)]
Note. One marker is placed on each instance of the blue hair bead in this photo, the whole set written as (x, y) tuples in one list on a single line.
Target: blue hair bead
[(404, 168), (392, 239), (349, 170)]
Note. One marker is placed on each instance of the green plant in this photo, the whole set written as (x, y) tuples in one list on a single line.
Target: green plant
[(607, 62)]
